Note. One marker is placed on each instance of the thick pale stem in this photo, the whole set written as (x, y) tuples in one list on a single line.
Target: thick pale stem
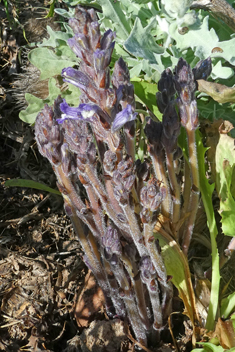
[(194, 198), (161, 176), (135, 230), (68, 189), (90, 249), (129, 301), (156, 305), (174, 186), (116, 299), (186, 197), (116, 206), (129, 144), (96, 209), (103, 196), (160, 269), (139, 290)]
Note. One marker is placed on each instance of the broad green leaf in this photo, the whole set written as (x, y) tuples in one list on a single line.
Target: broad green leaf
[(63, 51), (72, 2), (222, 72), (227, 306), (113, 11), (146, 93), (141, 43), (30, 184), (137, 10), (54, 91), (177, 266), (199, 38), (54, 36), (35, 105), (206, 193), (209, 347), (48, 62), (225, 162), (64, 13), (204, 42)]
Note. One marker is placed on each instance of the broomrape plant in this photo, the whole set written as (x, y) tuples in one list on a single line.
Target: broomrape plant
[(123, 209)]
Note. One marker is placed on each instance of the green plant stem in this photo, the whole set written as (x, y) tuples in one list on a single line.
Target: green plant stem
[(194, 198)]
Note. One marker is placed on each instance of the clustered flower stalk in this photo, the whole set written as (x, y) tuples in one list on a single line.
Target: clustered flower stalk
[(112, 200)]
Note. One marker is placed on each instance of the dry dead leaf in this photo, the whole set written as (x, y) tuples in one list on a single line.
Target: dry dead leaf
[(90, 302), (219, 92), (225, 332)]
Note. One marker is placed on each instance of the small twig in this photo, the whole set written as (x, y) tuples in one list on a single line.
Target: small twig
[(219, 9)]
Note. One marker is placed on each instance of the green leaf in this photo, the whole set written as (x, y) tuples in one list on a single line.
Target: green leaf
[(141, 43), (227, 306), (199, 38), (222, 72), (54, 36), (30, 184), (35, 105), (113, 11), (146, 94), (137, 10), (206, 193), (204, 42), (225, 162), (177, 266), (209, 347), (64, 13), (48, 62)]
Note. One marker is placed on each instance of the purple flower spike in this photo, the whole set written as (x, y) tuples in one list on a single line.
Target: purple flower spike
[(75, 77), (107, 39), (83, 112), (72, 42), (124, 116), (102, 58)]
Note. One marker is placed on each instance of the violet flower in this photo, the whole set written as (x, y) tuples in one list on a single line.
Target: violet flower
[(124, 116), (83, 112)]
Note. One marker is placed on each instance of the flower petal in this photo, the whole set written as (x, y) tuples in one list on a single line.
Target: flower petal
[(83, 112), (124, 116), (75, 77)]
